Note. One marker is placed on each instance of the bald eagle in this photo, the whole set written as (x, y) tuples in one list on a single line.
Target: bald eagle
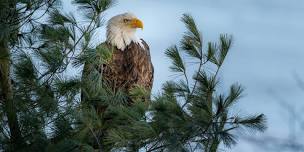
[(130, 63)]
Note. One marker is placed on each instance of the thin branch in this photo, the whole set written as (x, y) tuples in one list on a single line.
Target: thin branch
[(96, 138)]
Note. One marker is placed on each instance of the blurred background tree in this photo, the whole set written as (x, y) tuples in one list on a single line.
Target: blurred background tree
[(290, 115), (41, 107)]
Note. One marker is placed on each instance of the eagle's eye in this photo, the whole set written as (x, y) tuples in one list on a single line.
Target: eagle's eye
[(126, 20)]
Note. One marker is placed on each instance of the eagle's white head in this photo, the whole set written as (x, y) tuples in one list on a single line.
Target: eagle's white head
[(121, 30)]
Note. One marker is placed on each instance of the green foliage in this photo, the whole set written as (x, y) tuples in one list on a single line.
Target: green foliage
[(178, 65), (57, 18), (192, 39), (25, 66), (45, 95), (59, 109), (92, 7)]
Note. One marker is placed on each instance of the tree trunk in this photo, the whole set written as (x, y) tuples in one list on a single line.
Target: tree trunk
[(7, 95)]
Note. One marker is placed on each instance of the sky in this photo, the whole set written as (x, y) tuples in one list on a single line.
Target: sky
[(266, 56)]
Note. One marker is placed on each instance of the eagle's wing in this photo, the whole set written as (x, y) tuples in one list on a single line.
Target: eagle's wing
[(148, 69)]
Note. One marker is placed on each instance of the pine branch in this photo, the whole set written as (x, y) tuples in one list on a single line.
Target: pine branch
[(174, 55)]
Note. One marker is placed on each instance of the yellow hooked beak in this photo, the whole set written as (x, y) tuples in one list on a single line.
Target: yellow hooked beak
[(136, 23)]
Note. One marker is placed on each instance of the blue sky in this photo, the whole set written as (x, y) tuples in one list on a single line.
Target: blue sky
[(266, 55)]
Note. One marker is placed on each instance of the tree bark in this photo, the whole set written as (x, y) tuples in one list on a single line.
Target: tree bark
[(6, 93)]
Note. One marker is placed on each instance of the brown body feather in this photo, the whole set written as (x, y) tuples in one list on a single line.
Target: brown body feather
[(129, 68), (126, 69)]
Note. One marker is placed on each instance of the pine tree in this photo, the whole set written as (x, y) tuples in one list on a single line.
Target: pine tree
[(14, 15), (41, 105), (39, 99)]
